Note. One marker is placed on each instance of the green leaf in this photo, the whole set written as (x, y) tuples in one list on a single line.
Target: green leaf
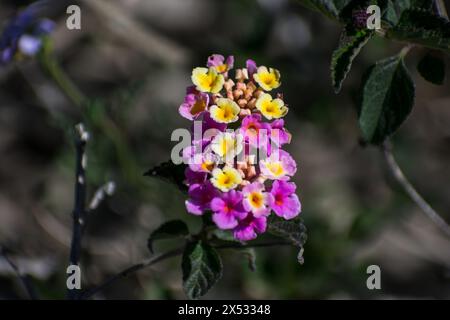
[(293, 230), (422, 27), (224, 235), (395, 8), (343, 56), (341, 4), (387, 99), (170, 172), (432, 68), (170, 229), (326, 7), (202, 268)]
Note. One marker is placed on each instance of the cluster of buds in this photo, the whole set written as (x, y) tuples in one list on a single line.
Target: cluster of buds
[(236, 166), (23, 35)]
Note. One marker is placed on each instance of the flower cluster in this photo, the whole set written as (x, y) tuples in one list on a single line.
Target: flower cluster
[(236, 117), (23, 34)]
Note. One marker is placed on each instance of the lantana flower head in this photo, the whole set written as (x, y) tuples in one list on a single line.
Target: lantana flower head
[(232, 118)]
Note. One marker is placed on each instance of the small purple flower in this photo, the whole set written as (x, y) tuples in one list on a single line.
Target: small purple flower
[(195, 103), (285, 202), (45, 26), (252, 68), (228, 209), (200, 196), (29, 45), (249, 227), (251, 129), (279, 134), (221, 64), (23, 32)]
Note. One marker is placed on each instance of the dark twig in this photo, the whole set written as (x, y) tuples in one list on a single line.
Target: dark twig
[(82, 136), (105, 190), (411, 191), (441, 9), (24, 278), (173, 253), (253, 245)]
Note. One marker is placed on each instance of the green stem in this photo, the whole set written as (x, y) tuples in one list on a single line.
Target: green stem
[(173, 253), (52, 67), (24, 279), (406, 50), (69, 88), (415, 196)]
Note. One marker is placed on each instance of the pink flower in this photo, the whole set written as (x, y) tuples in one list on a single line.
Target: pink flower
[(200, 196), (256, 199), (279, 134), (278, 166), (195, 103), (285, 202), (200, 157), (249, 227), (251, 129), (218, 61), (252, 68), (228, 209)]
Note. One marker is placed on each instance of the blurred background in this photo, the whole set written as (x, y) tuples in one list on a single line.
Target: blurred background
[(133, 59)]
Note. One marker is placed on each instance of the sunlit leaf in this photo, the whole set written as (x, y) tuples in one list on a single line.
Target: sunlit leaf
[(387, 99)]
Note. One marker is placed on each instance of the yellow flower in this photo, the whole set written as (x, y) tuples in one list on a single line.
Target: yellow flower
[(226, 179), (207, 80), (225, 111), (271, 108), (268, 79), (227, 145)]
